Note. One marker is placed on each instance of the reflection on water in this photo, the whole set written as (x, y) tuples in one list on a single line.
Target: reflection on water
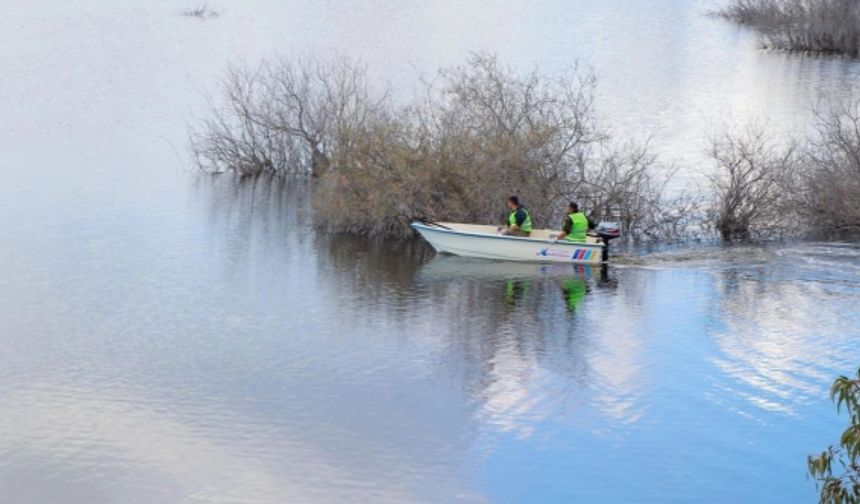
[(780, 339), (266, 362)]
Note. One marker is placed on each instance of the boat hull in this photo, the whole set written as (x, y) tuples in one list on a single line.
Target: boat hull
[(474, 241)]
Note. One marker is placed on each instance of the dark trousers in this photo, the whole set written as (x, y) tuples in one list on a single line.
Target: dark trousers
[(512, 232)]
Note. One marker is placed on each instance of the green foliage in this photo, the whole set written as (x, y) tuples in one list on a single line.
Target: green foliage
[(837, 469)]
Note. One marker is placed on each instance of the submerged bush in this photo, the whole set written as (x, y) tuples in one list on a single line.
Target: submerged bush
[(748, 184), (483, 133), (826, 190), (825, 26), (201, 11), (764, 187), (285, 117), (628, 184), (480, 133)]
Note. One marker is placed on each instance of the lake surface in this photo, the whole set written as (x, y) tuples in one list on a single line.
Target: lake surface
[(169, 337)]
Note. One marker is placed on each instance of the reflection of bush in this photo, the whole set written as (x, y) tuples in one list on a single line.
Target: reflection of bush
[(374, 268)]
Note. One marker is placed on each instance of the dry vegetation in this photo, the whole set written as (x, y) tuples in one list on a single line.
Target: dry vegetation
[(825, 189), (201, 11), (748, 184), (821, 26), (483, 131), (766, 188), (286, 117)]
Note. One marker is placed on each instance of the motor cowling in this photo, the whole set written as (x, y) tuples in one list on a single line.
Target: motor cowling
[(607, 231)]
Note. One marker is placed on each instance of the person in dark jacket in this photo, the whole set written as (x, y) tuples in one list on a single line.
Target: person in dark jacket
[(519, 222), (575, 226)]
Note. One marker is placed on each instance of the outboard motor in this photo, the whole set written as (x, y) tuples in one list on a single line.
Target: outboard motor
[(607, 231)]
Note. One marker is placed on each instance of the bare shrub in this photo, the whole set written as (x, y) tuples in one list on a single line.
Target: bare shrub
[(231, 138), (526, 134), (752, 12), (629, 185), (826, 191), (481, 133), (824, 26), (485, 132), (763, 187), (748, 183), (377, 183), (284, 117), (201, 11)]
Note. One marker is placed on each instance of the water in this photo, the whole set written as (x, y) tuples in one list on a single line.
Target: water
[(166, 337)]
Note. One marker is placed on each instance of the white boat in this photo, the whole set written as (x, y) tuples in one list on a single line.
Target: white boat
[(475, 240)]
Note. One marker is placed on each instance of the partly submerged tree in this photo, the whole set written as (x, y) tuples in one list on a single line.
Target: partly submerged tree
[(826, 190), (748, 183), (837, 469), (479, 133), (818, 26)]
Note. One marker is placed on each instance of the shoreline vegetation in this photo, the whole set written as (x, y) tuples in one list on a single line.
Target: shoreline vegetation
[(482, 131), (815, 26)]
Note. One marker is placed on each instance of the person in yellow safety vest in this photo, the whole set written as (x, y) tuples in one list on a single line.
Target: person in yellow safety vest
[(574, 227), (519, 221)]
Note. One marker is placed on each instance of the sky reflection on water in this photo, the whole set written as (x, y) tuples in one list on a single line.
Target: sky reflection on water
[(276, 363)]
